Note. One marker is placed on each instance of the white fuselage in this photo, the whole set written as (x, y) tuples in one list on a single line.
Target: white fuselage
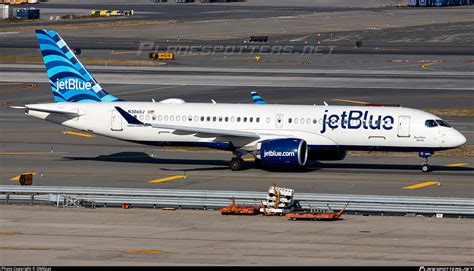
[(349, 127)]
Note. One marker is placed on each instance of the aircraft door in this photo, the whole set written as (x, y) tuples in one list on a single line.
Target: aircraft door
[(279, 121), (116, 121), (403, 126)]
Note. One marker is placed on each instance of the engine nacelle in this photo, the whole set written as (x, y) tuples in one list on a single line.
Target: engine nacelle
[(288, 152), (326, 154)]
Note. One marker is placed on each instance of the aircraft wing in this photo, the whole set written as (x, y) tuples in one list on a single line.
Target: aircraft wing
[(220, 132)]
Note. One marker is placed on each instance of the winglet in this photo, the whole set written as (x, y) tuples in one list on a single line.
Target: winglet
[(129, 118), (257, 99)]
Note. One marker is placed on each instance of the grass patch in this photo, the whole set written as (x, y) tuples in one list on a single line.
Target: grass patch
[(452, 112), (85, 60), (90, 25)]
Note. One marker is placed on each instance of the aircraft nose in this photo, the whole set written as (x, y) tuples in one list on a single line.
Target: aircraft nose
[(459, 139)]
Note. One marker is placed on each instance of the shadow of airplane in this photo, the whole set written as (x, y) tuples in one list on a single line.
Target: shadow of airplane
[(144, 158), (388, 166)]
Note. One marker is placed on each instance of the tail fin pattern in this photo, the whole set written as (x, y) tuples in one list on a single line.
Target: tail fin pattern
[(70, 80), (257, 99)]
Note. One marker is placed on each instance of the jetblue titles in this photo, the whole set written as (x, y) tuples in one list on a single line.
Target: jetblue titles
[(279, 153), (356, 119), (71, 83)]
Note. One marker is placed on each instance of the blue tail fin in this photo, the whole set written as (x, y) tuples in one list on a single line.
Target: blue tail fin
[(257, 99), (69, 79)]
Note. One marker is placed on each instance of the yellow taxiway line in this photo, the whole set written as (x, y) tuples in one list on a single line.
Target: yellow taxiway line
[(123, 52), (350, 101), (78, 134), (17, 178), (141, 251), (420, 185), (456, 165), (28, 86), (9, 233), (166, 179)]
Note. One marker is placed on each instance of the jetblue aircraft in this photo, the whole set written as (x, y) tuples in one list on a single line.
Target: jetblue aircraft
[(276, 135)]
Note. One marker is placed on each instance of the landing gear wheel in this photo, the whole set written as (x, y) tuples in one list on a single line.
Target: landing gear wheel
[(236, 164), (425, 168), (258, 163)]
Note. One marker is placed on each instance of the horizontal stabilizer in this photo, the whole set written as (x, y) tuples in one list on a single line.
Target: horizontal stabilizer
[(57, 111)]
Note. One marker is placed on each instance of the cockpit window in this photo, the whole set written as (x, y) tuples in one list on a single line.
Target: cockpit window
[(443, 123), (430, 123)]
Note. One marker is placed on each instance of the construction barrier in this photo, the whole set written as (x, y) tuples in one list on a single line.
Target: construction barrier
[(361, 204)]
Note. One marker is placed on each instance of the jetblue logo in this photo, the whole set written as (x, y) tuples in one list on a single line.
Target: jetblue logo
[(279, 154), (71, 83), (356, 119)]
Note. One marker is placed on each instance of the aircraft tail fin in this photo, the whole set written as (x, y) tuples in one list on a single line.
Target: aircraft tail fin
[(257, 99), (70, 80)]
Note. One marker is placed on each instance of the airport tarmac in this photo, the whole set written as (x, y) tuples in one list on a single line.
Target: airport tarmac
[(41, 235), (76, 160)]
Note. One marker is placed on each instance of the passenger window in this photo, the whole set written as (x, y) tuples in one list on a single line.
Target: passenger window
[(184, 118), (172, 118), (430, 123), (296, 120), (220, 119), (153, 117), (226, 119), (245, 119), (269, 120), (290, 120), (202, 118), (214, 118), (147, 117), (238, 119), (315, 121), (232, 119), (160, 117), (178, 118), (208, 118), (196, 118), (190, 118), (166, 117), (257, 120), (251, 119), (308, 121)]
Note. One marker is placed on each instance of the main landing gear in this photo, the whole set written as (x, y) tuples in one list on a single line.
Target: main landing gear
[(237, 163), (425, 167)]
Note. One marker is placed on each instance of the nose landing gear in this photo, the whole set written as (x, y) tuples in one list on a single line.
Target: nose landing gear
[(425, 167)]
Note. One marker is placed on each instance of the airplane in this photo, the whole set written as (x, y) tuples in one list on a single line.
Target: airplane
[(277, 135)]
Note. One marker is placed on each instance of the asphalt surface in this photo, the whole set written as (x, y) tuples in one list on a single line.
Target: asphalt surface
[(48, 236), (368, 79), (26, 144), (420, 58)]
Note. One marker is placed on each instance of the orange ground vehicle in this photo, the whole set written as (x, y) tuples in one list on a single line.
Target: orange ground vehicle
[(315, 216), (240, 210)]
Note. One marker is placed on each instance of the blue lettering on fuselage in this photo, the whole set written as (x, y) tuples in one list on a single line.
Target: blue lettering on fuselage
[(355, 119)]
